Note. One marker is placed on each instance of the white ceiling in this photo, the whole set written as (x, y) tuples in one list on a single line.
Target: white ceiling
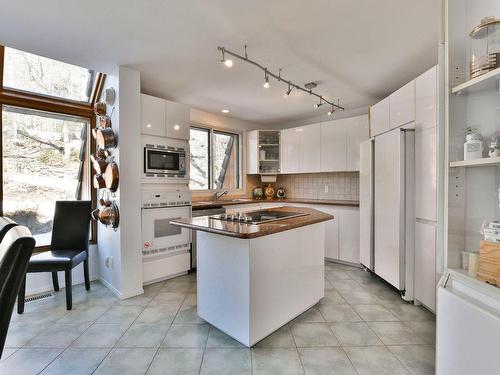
[(358, 50)]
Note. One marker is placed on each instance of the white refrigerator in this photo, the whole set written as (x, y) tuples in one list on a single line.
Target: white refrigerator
[(394, 217)]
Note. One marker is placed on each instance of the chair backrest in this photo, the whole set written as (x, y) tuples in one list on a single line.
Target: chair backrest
[(70, 229), (15, 252), (5, 225)]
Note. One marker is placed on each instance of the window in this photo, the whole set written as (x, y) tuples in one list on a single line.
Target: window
[(46, 113), (43, 157), (27, 72), (215, 161)]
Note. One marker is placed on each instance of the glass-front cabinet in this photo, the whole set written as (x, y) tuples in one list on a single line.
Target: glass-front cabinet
[(264, 152)]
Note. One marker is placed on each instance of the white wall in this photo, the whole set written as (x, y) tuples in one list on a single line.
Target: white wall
[(124, 275), (198, 116)]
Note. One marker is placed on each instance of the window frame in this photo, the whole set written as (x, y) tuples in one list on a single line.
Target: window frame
[(29, 100), (211, 131)]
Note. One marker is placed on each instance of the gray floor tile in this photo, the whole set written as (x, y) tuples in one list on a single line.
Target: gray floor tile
[(143, 336), (418, 359), (126, 362), (140, 300), (276, 361), (333, 297), (186, 336), (313, 334), (76, 361), (226, 361), (191, 299), (101, 336), (355, 334), (360, 274), (155, 287), (313, 315), (28, 361), (121, 314), (336, 275), (410, 312), (188, 314), (358, 297), (387, 296), (326, 361), (375, 360), (176, 362), (7, 352), (83, 313), (20, 333), (282, 338), (339, 313), (178, 286), (218, 339), (395, 333), (161, 314), (425, 329), (375, 313), (58, 336), (345, 285), (168, 298)]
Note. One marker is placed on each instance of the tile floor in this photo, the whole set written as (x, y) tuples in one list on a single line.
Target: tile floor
[(360, 327)]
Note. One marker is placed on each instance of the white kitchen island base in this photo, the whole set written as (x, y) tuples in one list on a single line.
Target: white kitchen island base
[(248, 288)]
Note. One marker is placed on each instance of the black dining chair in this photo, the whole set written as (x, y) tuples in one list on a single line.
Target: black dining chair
[(69, 247), (16, 247)]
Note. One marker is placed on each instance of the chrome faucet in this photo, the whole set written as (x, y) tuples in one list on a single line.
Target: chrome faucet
[(219, 195)]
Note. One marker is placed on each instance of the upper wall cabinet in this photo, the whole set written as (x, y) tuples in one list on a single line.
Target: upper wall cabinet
[(379, 118), (177, 120), (333, 146), (426, 100), (357, 132), (402, 105), (310, 150), (163, 118), (153, 116), (290, 145)]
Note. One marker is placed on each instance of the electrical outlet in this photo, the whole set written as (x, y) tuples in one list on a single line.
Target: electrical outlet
[(106, 262)]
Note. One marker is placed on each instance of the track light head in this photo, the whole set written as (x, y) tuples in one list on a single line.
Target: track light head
[(317, 105), (226, 62), (266, 82), (287, 93), (330, 112)]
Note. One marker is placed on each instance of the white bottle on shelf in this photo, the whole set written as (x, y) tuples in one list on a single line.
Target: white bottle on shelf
[(473, 146)]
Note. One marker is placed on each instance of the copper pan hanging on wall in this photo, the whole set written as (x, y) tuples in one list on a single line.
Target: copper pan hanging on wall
[(112, 176), (106, 138)]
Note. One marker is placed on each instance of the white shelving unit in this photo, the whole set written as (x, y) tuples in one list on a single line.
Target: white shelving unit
[(487, 81), (476, 162)]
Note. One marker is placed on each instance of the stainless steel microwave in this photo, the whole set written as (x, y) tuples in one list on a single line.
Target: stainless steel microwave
[(167, 161)]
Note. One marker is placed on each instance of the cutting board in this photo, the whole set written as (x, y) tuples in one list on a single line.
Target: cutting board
[(489, 262)]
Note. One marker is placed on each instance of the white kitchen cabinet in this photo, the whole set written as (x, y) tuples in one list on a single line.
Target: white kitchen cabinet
[(357, 132), (177, 120), (349, 234), (332, 239), (310, 148), (402, 105), (333, 140), (425, 264), (252, 152), (426, 103), (426, 174), (290, 146), (153, 116), (379, 118)]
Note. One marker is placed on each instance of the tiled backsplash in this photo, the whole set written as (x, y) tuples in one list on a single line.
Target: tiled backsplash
[(336, 185)]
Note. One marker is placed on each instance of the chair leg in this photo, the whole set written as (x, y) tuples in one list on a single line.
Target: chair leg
[(55, 281), (86, 274), (69, 299), (20, 297)]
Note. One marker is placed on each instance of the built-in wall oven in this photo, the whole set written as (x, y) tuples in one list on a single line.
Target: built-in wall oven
[(165, 248), (165, 159)]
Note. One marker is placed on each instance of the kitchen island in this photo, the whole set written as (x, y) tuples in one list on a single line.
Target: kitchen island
[(255, 276)]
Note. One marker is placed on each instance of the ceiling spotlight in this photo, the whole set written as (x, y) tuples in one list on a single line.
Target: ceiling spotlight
[(330, 112), (227, 62), (287, 93), (266, 82), (317, 105), (225, 111)]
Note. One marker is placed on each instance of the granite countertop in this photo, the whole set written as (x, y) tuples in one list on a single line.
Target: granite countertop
[(247, 231), (229, 202)]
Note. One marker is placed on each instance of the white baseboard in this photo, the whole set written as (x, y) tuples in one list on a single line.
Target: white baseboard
[(41, 282), (117, 293)]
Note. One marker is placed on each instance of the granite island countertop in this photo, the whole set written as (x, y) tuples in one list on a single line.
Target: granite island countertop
[(201, 205), (248, 231)]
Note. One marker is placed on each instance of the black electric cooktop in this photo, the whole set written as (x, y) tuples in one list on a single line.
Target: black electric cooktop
[(257, 217)]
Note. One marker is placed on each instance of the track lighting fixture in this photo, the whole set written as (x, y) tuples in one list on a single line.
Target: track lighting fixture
[(317, 105), (227, 62), (307, 89), (266, 82)]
